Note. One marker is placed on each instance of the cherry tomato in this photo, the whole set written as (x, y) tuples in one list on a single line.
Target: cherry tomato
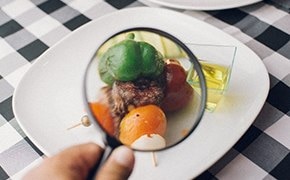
[(175, 76), (174, 101), (178, 91)]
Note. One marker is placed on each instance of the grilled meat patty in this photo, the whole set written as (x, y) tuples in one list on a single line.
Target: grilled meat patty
[(134, 94)]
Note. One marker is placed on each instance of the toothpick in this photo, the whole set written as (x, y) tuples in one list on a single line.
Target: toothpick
[(84, 121), (154, 159), (74, 126), (184, 132)]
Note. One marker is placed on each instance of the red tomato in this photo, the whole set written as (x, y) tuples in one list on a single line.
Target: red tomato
[(175, 77), (178, 91), (174, 101)]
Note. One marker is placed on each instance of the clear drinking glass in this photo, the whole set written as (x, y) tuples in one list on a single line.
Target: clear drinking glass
[(216, 62)]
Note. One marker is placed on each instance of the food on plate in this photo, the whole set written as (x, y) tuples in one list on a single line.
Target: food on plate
[(178, 93), (149, 142), (136, 93), (102, 114), (141, 86), (143, 120), (128, 60)]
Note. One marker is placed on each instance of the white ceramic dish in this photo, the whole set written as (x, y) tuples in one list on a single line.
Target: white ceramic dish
[(200, 4), (49, 97)]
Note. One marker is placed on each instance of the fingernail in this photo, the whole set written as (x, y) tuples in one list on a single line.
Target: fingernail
[(124, 156)]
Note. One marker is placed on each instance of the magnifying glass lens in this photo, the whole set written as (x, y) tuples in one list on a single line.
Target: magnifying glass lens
[(137, 92)]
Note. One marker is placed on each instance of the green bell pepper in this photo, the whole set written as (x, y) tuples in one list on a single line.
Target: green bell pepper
[(129, 60)]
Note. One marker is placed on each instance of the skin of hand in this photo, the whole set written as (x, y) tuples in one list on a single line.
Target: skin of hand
[(75, 163)]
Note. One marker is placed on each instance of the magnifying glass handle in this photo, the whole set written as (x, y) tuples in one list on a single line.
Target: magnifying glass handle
[(112, 143)]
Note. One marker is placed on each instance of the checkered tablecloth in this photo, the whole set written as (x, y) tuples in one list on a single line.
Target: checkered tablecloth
[(28, 28)]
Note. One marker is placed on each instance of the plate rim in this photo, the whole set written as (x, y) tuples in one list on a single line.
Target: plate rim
[(237, 4)]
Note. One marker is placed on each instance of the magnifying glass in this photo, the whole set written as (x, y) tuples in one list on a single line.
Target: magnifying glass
[(136, 91)]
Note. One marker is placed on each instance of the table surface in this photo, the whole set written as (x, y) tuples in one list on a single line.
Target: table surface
[(261, 153)]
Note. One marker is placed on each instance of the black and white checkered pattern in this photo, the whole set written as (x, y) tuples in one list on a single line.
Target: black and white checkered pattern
[(28, 28)]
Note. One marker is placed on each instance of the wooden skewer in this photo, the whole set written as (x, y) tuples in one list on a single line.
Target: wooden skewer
[(84, 121), (154, 159), (184, 132), (74, 126)]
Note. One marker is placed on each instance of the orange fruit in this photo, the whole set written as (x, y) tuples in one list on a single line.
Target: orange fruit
[(103, 116), (149, 119)]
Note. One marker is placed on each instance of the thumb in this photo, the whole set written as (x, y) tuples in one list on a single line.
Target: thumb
[(119, 165)]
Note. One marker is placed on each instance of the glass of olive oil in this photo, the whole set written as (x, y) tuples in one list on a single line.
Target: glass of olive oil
[(217, 62)]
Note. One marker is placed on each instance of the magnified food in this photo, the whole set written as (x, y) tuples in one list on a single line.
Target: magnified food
[(142, 87)]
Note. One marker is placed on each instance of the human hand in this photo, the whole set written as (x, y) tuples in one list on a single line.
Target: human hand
[(75, 163)]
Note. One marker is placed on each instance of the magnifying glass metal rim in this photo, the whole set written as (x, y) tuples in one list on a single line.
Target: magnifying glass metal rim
[(113, 142)]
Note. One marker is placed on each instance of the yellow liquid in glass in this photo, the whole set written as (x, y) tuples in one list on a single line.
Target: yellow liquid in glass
[(216, 77)]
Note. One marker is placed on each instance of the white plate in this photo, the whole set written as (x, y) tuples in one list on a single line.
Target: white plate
[(200, 4), (49, 97)]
